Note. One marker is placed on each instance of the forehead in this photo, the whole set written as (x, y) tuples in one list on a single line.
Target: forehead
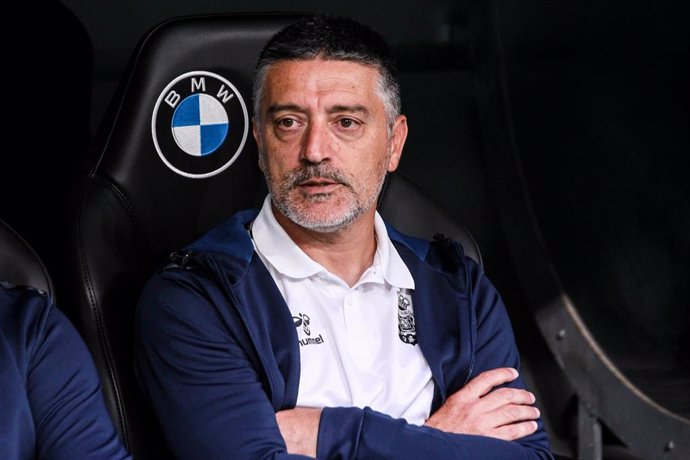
[(321, 78)]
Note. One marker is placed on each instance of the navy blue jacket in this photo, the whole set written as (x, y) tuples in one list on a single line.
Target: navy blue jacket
[(217, 354), (51, 405)]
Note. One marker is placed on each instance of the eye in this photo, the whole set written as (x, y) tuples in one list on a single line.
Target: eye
[(286, 123), (348, 123)]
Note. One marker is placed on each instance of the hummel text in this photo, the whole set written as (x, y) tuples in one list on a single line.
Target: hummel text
[(311, 341)]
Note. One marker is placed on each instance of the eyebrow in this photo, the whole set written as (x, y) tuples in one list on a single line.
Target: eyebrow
[(285, 107), (357, 108)]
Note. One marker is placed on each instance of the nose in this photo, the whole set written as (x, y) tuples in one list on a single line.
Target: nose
[(314, 144)]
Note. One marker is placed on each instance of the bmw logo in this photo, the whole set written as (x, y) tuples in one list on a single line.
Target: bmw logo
[(199, 124)]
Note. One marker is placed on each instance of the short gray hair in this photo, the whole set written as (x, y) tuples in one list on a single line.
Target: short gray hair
[(331, 38)]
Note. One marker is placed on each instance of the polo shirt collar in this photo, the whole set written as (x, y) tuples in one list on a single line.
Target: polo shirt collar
[(276, 246), (394, 270)]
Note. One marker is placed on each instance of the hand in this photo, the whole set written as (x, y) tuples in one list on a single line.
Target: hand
[(300, 429), (478, 408)]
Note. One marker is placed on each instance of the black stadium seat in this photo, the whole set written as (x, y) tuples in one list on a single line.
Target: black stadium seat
[(144, 196), (151, 188)]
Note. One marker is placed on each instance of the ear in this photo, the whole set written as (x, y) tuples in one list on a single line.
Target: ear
[(397, 142), (257, 138)]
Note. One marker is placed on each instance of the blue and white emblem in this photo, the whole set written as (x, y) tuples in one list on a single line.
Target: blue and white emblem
[(199, 124)]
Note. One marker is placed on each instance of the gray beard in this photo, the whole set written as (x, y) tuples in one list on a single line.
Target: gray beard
[(321, 224)]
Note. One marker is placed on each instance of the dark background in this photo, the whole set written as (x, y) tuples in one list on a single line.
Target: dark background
[(595, 98)]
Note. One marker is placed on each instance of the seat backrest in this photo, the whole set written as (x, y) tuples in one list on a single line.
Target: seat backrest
[(411, 210), (175, 158), (153, 184), (20, 264)]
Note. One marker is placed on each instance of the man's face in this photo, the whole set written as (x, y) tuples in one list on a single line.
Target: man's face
[(323, 141)]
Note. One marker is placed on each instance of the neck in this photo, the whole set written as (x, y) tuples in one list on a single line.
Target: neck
[(346, 253)]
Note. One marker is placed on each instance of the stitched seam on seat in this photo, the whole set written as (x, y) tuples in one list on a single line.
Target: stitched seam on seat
[(95, 310)]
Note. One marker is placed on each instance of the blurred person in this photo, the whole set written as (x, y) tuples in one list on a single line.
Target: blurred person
[(50, 395)]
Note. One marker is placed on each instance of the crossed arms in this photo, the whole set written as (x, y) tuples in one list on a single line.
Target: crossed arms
[(217, 389), (475, 409)]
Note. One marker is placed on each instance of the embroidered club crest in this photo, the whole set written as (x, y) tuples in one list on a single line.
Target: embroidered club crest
[(406, 327)]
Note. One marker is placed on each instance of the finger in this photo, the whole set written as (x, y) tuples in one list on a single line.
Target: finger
[(515, 413), (514, 431), (506, 396), (507, 416), (487, 380)]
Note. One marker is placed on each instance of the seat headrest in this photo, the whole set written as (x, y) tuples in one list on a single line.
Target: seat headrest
[(19, 263), (413, 211), (177, 150)]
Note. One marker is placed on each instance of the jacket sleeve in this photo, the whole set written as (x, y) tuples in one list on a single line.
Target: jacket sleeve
[(192, 364), (364, 433), (496, 347), (70, 416), (349, 433)]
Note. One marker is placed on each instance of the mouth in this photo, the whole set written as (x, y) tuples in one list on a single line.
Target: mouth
[(318, 185)]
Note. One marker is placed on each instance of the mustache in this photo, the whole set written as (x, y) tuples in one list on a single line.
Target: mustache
[(320, 171)]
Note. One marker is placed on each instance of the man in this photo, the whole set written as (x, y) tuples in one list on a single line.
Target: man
[(310, 327), (50, 396)]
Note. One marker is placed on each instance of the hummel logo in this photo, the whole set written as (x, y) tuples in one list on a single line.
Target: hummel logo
[(304, 320)]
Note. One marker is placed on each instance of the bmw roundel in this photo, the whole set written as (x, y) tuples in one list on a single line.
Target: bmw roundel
[(199, 124)]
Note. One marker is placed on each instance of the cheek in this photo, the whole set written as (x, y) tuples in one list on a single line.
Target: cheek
[(369, 171), (382, 158), (281, 150), (262, 159), (277, 165), (271, 153)]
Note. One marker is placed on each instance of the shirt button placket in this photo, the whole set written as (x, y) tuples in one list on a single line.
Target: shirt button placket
[(349, 314)]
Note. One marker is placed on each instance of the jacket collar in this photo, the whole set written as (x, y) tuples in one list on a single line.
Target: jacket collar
[(231, 237)]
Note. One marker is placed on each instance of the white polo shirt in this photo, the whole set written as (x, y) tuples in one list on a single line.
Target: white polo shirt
[(357, 344)]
